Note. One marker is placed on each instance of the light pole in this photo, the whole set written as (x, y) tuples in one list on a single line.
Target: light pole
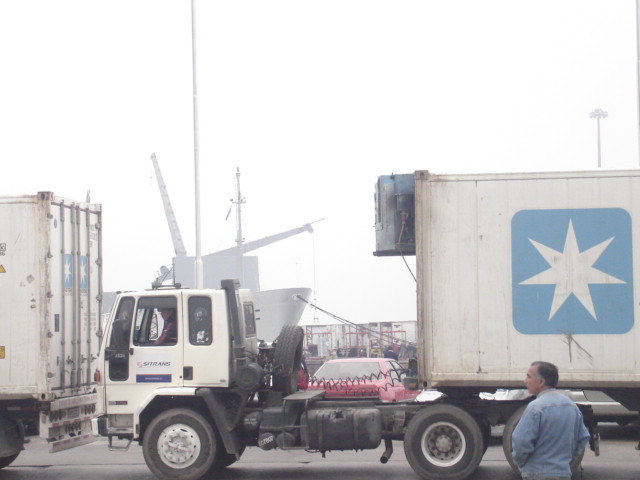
[(196, 150), (598, 113)]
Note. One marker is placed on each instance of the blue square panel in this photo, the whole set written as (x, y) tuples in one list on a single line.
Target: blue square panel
[(572, 271), (68, 270)]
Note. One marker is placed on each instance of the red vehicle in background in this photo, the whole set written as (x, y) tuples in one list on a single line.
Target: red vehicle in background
[(362, 378)]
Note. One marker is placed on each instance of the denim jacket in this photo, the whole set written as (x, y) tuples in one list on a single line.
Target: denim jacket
[(549, 435)]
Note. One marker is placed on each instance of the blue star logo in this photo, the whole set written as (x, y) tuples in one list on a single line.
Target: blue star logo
[(68, 270), (84, 272), (572, 271)]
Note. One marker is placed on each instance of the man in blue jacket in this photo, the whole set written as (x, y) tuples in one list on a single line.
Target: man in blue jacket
[(551, 432)]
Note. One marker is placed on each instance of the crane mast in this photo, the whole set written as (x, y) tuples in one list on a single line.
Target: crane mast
[(178, 244), (236, 251)]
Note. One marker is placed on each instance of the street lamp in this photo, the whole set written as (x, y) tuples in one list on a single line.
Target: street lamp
[(598, 113)]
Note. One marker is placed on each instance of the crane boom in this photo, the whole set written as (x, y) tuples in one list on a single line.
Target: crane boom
[(255, 244), (178, 244)]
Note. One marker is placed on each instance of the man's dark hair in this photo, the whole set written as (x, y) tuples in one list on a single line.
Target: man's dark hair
[(547, 372)]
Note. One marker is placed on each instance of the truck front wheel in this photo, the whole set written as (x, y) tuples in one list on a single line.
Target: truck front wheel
[(180, 443), (443, 442)]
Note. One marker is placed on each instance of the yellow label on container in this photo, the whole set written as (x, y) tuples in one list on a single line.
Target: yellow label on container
[(1, 351)]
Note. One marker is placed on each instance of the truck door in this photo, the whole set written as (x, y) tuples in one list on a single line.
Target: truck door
[(144, 351), (206, 344)]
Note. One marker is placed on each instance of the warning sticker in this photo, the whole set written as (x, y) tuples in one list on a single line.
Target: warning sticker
[(2, 270), (1, 351)]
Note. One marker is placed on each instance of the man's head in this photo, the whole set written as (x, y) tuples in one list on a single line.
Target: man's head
[(166, 313), (540, 376)]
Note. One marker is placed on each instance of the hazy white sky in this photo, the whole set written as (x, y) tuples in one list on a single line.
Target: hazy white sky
[(312, 101)]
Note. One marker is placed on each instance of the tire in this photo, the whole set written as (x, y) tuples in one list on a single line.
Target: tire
[(180, 444), (287, 359), (507, 435), (14, 434), (443, 442), (6, 461)]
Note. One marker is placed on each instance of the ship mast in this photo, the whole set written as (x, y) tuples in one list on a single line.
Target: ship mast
[(239, 240)]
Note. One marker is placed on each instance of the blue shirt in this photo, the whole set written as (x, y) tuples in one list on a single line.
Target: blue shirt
[(549, 435)]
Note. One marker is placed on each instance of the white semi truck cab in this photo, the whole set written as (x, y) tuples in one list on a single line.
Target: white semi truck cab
[(196, 397)]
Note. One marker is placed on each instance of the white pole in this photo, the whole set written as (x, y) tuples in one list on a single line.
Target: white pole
[(196, 148)]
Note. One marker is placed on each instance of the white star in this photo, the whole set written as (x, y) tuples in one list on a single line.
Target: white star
[(83, 273), (67, 271), (571, 272)]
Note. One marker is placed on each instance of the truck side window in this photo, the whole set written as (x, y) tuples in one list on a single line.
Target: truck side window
[(119, 341), (121, 329), (156, 321), (249, 319), (200, 326), (395, 371)]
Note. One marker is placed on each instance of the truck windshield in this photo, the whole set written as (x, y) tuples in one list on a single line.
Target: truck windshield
[(347, 370)]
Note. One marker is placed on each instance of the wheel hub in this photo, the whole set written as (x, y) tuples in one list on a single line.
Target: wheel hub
[(178, 446), (443, 444)]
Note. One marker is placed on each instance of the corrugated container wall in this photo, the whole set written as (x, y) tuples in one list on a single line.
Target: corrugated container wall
[(50, 294), (515, 268)]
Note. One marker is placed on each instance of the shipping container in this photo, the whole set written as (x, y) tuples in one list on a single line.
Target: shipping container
[(50, 292), (514, 268)]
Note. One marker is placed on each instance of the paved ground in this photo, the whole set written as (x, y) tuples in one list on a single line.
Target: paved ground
[(618, 461)]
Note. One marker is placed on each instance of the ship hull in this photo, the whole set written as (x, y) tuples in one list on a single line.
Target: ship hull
[(276, 308)]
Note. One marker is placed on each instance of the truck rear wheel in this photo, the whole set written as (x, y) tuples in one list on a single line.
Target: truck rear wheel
[(12, 439), (287, 359), (180, 443), (507, 435), (443, 442)]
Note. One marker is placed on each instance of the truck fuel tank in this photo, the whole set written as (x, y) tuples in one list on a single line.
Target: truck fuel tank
[(343, 428)]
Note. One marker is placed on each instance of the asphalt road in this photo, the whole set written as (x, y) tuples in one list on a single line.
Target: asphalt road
[(618, 461)]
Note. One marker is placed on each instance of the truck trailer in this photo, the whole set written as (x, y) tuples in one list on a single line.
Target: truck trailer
[(50, 293), (511, 268)]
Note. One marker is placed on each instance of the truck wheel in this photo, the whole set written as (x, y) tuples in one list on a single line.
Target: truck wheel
[(12, 439), (180, 443), (443, 442), (287, 359), (507, 435), (6, 461)]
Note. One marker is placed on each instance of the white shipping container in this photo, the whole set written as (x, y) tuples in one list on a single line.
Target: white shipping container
[(50, 297), (514, 268)]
